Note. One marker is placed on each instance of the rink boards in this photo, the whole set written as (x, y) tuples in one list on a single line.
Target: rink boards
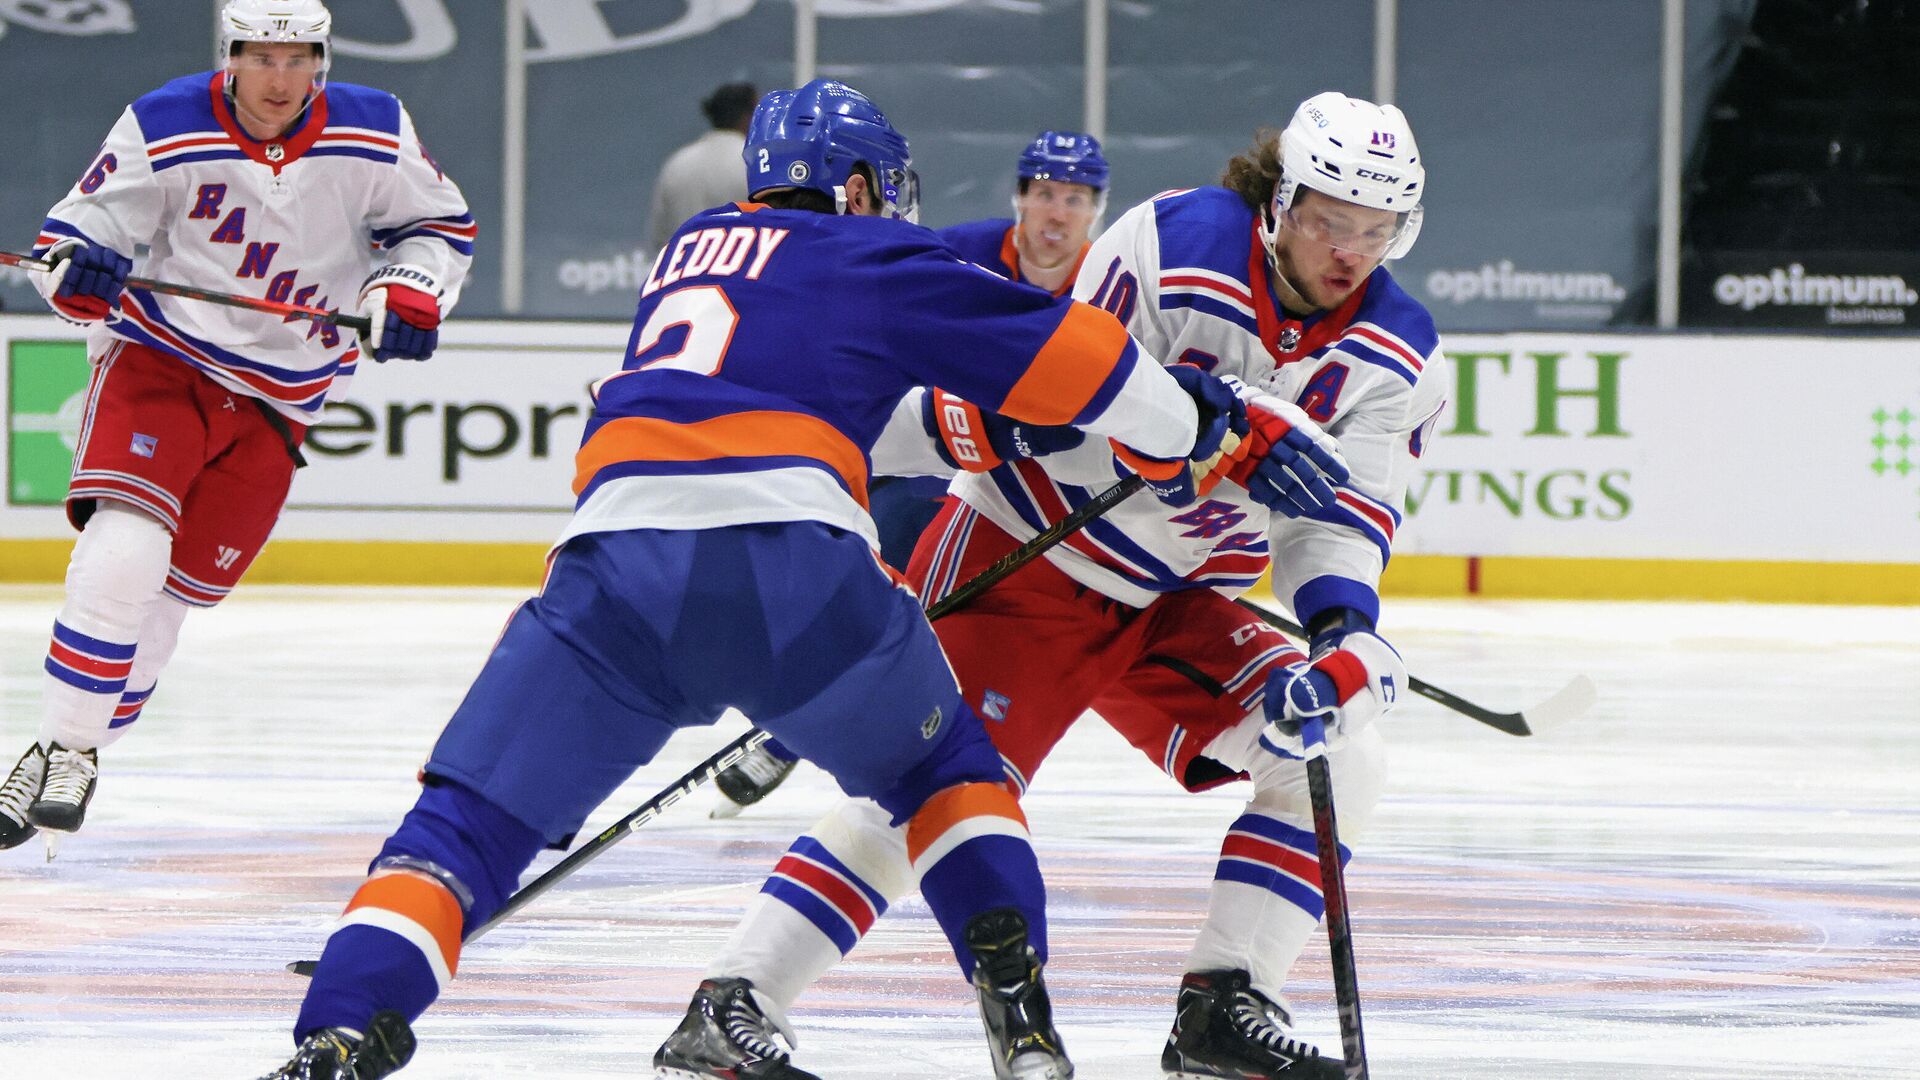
[(1778, 467)]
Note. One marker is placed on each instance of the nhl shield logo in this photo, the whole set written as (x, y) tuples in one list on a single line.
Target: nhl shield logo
[(798, 172), (931, 725), (276, 153), (1290, 339)]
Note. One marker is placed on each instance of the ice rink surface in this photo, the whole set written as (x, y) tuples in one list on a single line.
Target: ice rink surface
[(1713, 874)]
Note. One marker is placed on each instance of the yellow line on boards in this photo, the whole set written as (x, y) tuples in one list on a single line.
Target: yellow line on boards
[(330, 562), (1518, 577), (386, 562)]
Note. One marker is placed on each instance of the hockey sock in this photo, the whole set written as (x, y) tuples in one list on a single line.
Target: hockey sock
[(452, 864), (824, 895), (158, 637), (119, 565), (970, 846), (397, 946), (1265, 903)]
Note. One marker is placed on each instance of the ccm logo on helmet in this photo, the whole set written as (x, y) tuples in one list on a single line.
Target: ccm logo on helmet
[(1365, 174)]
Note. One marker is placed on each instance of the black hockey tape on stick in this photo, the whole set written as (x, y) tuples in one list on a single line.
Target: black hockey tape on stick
[(738, 748), (1333, 888), (1566, 703), (251, 303)]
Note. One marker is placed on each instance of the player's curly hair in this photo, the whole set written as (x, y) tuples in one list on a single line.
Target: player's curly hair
[(1254, 174)]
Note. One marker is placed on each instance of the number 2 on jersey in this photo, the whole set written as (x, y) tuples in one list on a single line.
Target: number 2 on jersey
[(704, 319)]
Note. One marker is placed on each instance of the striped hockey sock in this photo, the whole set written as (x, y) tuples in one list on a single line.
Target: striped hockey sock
[(970, 846), (86, 677), (396, 947), (1266, 901), (129, 707)]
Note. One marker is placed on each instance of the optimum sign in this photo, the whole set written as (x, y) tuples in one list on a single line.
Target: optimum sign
[(1554, 294), (1838, 299)]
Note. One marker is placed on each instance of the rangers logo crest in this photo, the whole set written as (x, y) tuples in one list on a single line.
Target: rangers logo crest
[(276, 153)]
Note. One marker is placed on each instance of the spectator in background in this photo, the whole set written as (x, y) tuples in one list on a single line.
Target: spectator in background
[(707, 171)]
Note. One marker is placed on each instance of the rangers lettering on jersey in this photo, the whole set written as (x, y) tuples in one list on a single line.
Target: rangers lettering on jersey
[(302, 218)]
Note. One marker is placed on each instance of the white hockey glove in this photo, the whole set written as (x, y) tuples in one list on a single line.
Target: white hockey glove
[(1340, 691), (402, 302)]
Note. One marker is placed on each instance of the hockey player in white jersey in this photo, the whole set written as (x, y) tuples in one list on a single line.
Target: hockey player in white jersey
[(258, 177), (1276, 278)]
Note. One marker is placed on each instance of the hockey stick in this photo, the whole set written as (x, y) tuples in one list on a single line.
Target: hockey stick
[(355, 323), (1566, 703), (738, 748), (1333, 888)]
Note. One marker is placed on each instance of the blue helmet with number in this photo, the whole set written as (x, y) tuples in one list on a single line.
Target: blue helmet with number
[(1067, 156), (812, 138)]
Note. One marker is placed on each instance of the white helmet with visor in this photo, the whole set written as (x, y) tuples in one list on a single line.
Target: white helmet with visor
[(1359, 153), (278, 22)]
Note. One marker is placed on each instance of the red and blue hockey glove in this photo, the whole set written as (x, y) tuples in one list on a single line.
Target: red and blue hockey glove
[(1289, 465), (90, 278), (1222, 422), (1335, 696), (402, 304), (974, 440)]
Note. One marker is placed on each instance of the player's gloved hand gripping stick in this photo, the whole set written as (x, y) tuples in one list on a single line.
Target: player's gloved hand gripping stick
[(252, 303)]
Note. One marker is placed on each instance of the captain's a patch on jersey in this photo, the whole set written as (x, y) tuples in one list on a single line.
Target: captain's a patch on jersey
[(994, 705)]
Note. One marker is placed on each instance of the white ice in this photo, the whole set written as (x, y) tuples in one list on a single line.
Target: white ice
[(1712, 874)]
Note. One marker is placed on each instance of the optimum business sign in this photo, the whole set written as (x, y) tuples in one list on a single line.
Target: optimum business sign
[(1566, 297), (1813, 290)]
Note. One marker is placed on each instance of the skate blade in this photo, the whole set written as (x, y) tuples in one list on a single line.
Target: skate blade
[(723, 809), (52, 839)]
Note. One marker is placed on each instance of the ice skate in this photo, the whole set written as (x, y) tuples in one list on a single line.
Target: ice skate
[(749, 780), (71, 777), (335, 1054), (728, 1034), (1013, 1000), (17, 795), (1222, 1026)]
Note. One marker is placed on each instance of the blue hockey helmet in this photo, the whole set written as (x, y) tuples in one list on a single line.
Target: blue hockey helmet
[(813, 136), (1067, 156)]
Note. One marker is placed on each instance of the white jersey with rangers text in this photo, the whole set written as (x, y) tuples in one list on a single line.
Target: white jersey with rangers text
[(302, 219), (1188, 275)]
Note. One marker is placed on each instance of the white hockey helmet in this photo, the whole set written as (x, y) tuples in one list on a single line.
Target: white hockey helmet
[(277, 22), (1357, 152)]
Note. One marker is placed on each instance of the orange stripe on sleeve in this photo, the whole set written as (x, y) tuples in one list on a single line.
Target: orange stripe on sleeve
[(427, 903), (760, 433), (954, 805), (1069, 369), (1151, 468)]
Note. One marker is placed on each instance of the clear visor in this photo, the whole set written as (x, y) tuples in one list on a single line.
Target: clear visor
[(902, 194), (1357, 230), (304, 62)]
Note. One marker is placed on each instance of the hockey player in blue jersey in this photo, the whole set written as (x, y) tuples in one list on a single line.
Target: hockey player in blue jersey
[(1060, 194), (721, 554), (1276, 277)]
